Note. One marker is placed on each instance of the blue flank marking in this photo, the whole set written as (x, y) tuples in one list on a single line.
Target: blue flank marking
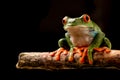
[(93, 33)]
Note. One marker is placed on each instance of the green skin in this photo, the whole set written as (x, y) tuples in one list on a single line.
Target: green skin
[(82, 32)]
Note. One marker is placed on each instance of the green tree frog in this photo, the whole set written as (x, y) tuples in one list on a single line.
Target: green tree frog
[(82, 36)]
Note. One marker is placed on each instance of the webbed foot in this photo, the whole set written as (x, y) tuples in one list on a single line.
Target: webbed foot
[(82, 51), (57, 53), (103, 49), (72, 52)]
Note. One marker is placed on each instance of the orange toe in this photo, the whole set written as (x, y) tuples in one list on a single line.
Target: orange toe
[(82, 60), (106, 50), (52, 53), (70, 58), (102, 49), (84, 54), (90, 62), (99, 49), (65, 52), (57, 57), (77, 50), (57, 53)]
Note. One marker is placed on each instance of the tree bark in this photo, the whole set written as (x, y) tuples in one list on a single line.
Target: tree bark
[(42, 60)]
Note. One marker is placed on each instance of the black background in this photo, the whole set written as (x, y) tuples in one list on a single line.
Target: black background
[(32, 26)]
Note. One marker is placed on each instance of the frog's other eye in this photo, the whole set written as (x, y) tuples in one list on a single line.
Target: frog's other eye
[(86, 18), (64, 20)]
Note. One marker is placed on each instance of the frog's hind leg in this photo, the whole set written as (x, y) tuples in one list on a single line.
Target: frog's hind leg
[(57, 53), (103, 49), (63, 49)]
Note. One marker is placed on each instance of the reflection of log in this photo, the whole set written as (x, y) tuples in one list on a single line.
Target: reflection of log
[(42, 60)]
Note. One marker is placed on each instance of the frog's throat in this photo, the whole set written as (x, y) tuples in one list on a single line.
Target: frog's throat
[(80, 36)]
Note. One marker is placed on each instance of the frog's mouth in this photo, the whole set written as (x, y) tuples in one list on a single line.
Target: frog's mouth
[(79, 28)]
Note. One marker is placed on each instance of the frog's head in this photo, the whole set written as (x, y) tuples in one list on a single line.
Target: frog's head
[(83, 22)]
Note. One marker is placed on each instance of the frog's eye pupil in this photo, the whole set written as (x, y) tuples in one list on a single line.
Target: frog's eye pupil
[(86, 18)]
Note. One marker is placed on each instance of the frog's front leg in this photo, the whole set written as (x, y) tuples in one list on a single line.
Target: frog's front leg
[(63, 49), (105, 49), (71, 53), (98, 40)]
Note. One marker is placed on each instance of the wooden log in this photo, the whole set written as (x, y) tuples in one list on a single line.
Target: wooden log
[(42, 60)]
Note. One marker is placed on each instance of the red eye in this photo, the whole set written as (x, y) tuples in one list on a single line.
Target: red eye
[(86, 18), (64, 20)]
